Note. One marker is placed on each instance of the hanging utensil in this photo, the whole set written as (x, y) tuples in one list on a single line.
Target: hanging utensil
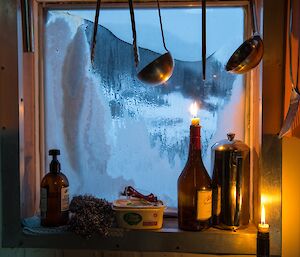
[(161, 69), (95, 30), (295, 95), (27, 29), (203, 39), (250, 53), (133, 28)]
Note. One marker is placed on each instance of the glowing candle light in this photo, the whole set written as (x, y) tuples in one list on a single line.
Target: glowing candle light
[(263, 214), (263, 239), (194, 110), (263, 227)]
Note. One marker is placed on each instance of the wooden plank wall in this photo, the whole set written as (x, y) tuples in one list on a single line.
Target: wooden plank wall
[(290, 191), (295, 132), (290, 158), (29, 179)]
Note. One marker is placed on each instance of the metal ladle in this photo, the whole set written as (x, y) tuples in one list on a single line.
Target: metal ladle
[(159, 70), (250, 53)]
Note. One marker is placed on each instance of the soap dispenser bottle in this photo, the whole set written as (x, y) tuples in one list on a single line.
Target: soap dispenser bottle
[(54, 203)]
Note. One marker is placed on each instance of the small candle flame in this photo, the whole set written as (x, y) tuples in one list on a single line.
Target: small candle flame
[(263, 215), (194, 109)]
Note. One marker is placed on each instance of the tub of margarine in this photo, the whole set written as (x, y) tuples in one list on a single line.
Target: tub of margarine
[(138, 214)]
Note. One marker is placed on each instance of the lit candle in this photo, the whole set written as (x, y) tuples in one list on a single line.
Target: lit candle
[(263, 227), (263, 239), (193, 110)]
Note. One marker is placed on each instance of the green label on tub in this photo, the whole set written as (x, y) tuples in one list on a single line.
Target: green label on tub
[(132, 218)]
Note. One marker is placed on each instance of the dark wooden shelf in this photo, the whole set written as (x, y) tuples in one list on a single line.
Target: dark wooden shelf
[(167, 239)]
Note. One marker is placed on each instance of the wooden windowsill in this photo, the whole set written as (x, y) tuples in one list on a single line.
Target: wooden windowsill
[(167, 239)]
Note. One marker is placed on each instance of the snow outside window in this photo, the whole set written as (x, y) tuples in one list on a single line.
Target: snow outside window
[(115, 131)]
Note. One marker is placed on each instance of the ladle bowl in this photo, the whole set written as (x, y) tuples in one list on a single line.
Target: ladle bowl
[(247, 56), (250, 53), (158, 71)]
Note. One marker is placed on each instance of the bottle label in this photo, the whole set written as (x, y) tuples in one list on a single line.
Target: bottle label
[(204, 204), (217, 201), (64, 199), (43, 204)]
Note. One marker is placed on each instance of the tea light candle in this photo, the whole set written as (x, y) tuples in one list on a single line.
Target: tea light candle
[(193, 110), (263, 227), (263, 238)]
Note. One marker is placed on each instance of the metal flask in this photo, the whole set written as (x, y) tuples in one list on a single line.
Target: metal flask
[(231, 183)]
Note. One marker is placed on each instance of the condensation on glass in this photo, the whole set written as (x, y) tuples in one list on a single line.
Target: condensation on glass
[(114, 131)]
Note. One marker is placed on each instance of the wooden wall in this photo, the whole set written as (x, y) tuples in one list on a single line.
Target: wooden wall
[(290, 157), (295, 42), (290, 198)]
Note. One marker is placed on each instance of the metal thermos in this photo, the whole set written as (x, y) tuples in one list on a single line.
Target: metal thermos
[(231, 183)]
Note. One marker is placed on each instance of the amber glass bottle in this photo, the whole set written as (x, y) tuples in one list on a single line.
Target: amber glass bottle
[(194, 189), (54, 195)]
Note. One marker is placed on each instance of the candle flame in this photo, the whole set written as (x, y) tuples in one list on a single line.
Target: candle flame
[(263, 215), (194, 109)]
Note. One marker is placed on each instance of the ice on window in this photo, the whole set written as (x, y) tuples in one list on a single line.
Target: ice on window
[(113, 130)]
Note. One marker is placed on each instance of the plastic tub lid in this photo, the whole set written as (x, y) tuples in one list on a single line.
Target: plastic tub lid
[(136, 203)]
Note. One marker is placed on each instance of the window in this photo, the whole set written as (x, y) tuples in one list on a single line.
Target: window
[(115, 131)]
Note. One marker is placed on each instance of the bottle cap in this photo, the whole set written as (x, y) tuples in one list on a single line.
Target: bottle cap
[(54, 164), (54, 152)]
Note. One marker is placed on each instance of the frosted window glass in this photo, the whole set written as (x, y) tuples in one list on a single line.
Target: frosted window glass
[(113, 130)]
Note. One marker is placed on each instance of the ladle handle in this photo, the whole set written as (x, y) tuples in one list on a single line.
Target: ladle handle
[(254, 18), (161, 26), (203, 39), (135, 47), (27, 29), (95, 30)]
